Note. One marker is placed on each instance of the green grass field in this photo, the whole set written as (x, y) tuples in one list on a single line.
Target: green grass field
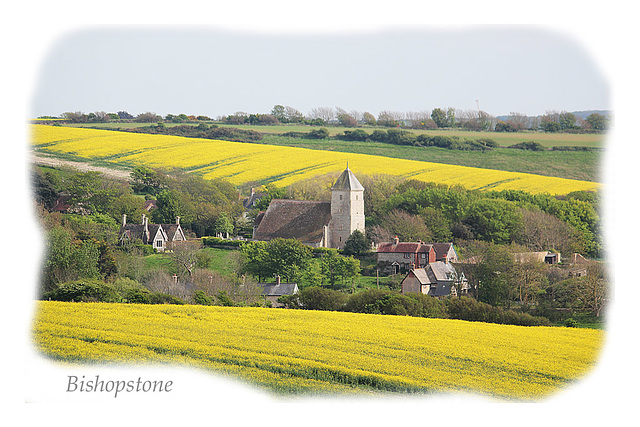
[(581, 165)]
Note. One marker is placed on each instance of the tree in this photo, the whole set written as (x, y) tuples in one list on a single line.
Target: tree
[(439, 116), (326, 114), (597, 121), (345, 119), (185, 257), (336, 267), (75, 117), (223, 226), (356, 244), (494, 275), (494, 220), (369, 119), (530, 280), (147, 180), (567, 120), (315, 298), (390, 118), (171, 204), (148, 117), (593, 288), (284, 257), (278, 111), (45, 192), (408, 227), (420, 120)]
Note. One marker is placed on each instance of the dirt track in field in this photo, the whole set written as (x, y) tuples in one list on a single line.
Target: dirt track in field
[(81, 166)]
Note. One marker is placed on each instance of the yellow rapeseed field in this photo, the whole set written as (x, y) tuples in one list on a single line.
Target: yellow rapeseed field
[(294, 351), (244, 162)]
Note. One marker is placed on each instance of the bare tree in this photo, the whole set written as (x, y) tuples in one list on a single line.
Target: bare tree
[(185, 256), (390, 118), (326, 114), (543, 231)]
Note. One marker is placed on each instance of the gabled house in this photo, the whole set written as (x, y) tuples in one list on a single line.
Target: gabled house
[(174, 233), (156, 235), (438, 279)]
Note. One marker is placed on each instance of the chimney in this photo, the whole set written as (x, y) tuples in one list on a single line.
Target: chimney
[(396, 240), (445, 259), (278, 279), (144, 219), (124, 219), (177, 220)]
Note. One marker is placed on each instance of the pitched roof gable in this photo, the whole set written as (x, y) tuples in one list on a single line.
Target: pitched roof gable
[(294, 219)]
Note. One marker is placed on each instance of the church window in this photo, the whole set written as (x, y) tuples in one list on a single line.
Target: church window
[(341, 197)]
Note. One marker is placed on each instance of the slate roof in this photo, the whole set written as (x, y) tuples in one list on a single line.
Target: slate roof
[(133, 231), (294, 219), (441, 270), (347, 181), (275, 290)]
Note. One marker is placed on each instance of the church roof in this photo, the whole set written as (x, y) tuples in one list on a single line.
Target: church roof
[(294, 219), (347, 181)]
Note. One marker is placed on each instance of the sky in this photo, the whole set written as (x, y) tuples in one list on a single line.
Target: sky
[(212, 72)]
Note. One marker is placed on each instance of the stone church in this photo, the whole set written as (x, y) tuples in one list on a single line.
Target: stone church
[(317, 224)]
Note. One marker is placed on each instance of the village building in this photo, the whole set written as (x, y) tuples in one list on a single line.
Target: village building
[(438, 279), (273, 291), (160, 236), (399, 257), (316, 223)]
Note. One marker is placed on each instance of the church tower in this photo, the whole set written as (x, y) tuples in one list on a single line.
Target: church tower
[(347, 208)]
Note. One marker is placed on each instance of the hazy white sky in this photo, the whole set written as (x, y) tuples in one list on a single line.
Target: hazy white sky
[(507, 69)]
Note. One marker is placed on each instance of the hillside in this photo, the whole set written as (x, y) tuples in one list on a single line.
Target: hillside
[(299, 351), (243, 163)]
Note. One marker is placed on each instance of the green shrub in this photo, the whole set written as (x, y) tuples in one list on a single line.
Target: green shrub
[(321, 133), (571, 323), (316, 298), (528, 145), (201, 298), (83, 290), (466, 308), (378, 301), (160, 298)]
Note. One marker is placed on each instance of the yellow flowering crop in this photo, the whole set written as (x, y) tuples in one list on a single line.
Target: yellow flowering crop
[(323, 352), (246, 162)]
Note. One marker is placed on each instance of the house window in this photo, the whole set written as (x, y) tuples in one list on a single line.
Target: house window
[(407, 255), (158, 243), (422, 255)]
